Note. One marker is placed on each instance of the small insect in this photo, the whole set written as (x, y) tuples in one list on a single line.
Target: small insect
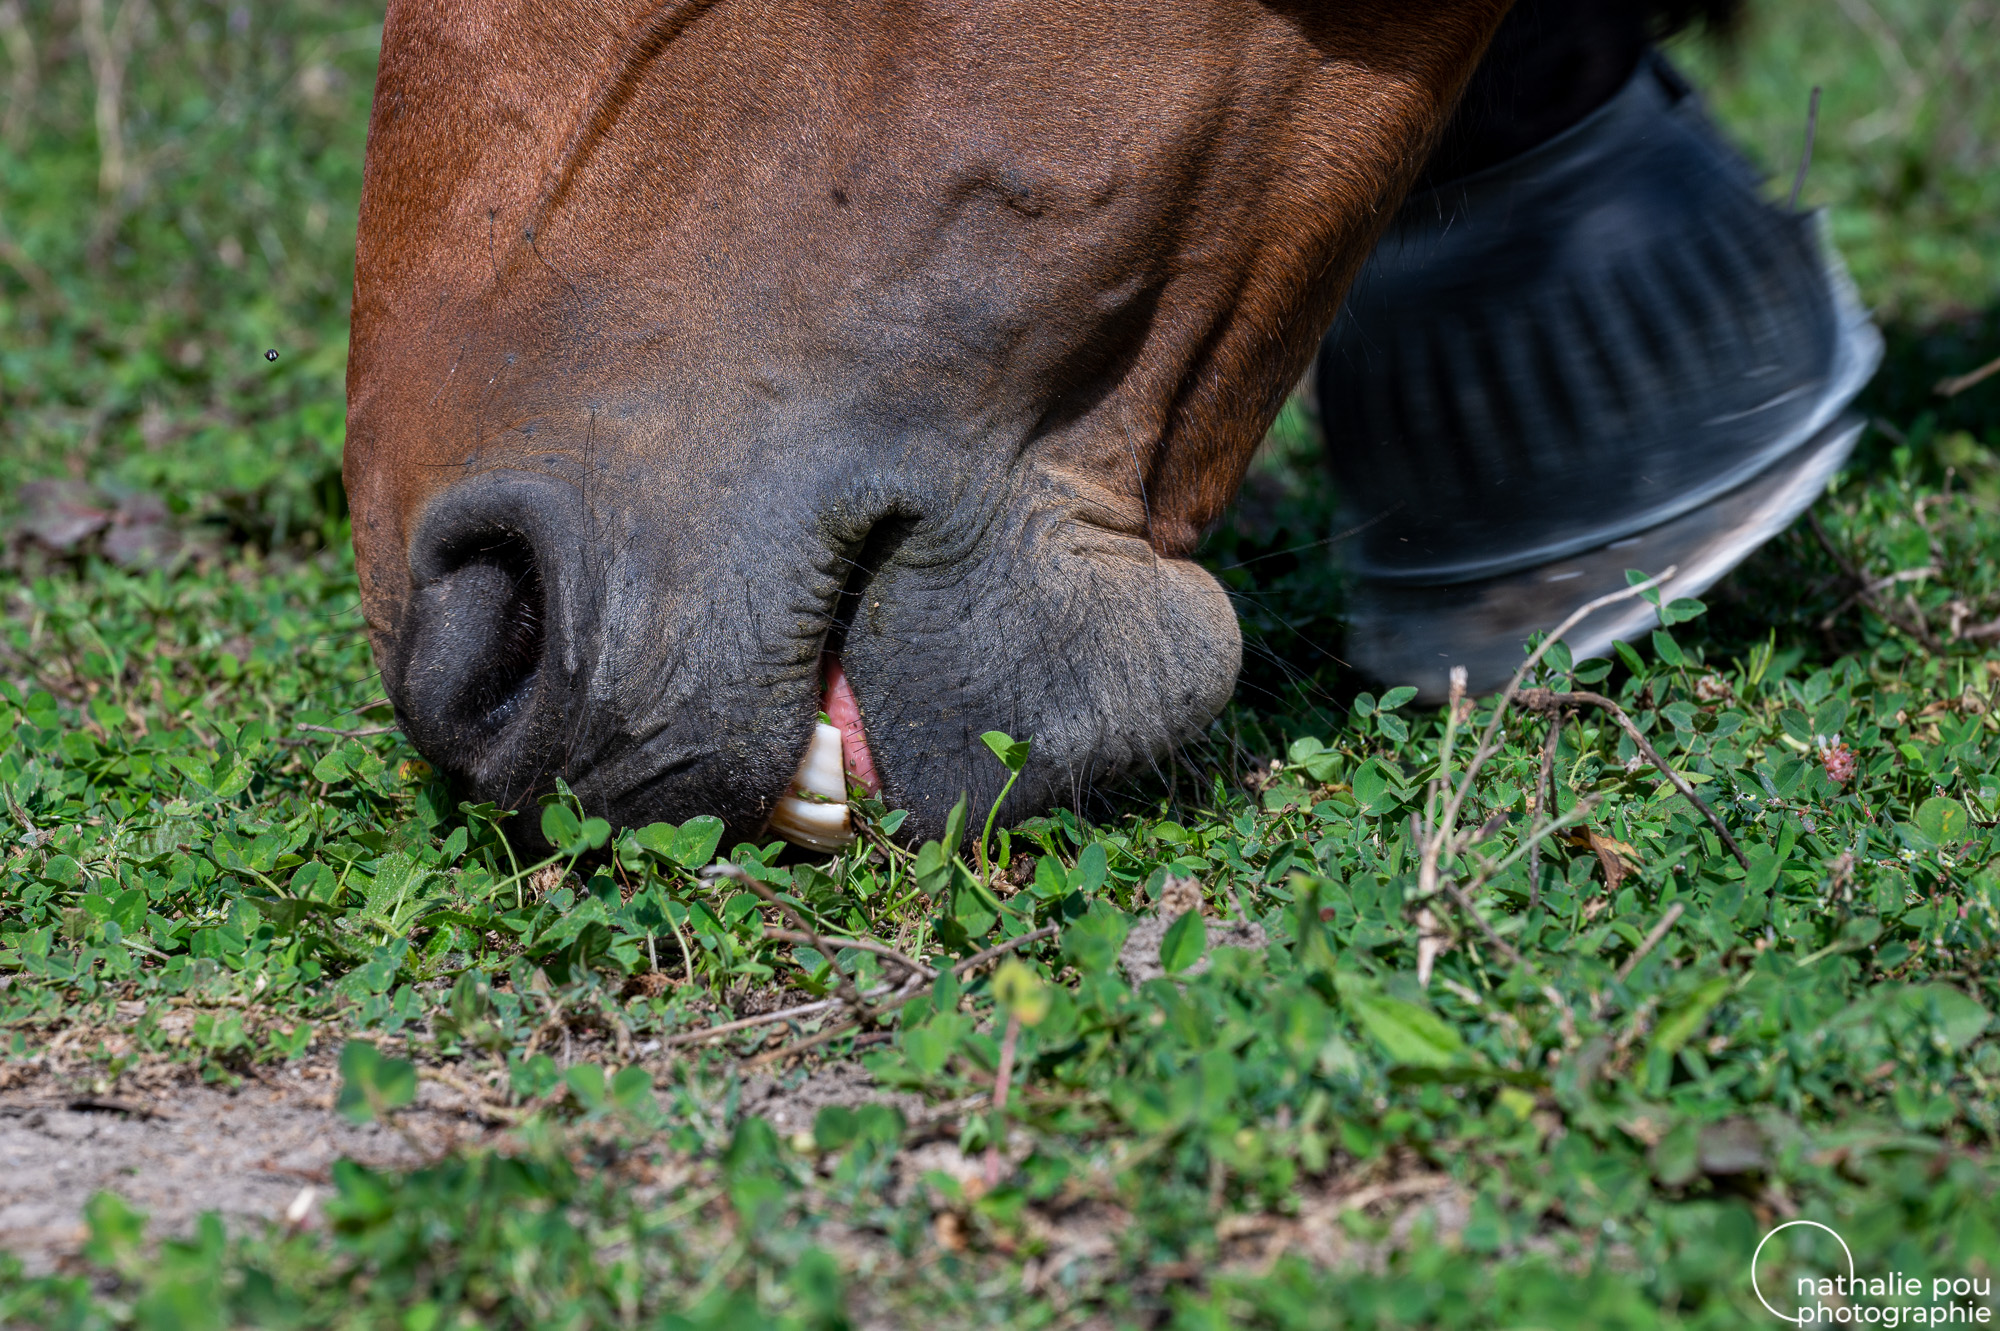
[(272, 354)]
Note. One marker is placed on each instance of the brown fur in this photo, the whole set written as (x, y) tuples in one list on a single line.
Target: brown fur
[(1061, 249)]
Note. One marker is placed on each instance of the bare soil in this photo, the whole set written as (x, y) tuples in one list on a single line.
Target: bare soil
[(178, 1149), (263, 1149), (174, 1148)]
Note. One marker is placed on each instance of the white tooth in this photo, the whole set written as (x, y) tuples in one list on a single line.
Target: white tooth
[(815, 815), (820, 771), (811, 824)]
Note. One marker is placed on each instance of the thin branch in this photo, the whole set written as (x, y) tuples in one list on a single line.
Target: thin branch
[(979, 959), (1957, 384), (1651, 940), (1488, 872), (1868, 589), (1904, 575), (1487, 741), (108, 46), (1543, 782), (362, 733), (1431, 942), (1578, 615), (762, 1019), (20, 814), (963, 968), (1805, 158), (1865, 584), (1440, 842), (843, 982), (475, 1097), (949, 1110), (826, 1036), (1437, 832), (882, 950), (1505, 948), (1583, 809), (1549, 700), (1440, 838)]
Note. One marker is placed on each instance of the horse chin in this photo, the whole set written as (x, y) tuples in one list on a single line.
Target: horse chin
[(1085, 642)]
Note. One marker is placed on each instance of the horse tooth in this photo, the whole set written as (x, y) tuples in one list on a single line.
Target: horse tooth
[(820, 770), (814, 813), (811, 824)]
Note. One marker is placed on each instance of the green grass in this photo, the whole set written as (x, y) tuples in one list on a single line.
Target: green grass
[(1907, 155), (1810, 1038)]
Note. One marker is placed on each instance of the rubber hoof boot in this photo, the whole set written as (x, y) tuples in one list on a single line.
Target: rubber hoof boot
[(1404, 634), (1602, 345)]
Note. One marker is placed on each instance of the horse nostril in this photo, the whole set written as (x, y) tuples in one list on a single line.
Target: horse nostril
[(479, 640), (505, 580)]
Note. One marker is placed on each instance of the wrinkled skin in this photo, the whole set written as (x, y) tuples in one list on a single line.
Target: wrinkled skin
[(694, 341)]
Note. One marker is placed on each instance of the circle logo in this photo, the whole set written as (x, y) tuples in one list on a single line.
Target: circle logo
[(1789, 1224)]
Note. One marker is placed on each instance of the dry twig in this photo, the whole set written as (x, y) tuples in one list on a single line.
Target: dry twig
[(763, 1019), (841, 980), (1957, 384), (1550, 700), (882, 950), (915, 969), (475, 1097), (1441, 841), (1651, 940), (962, 969), (1500, 945), (1866, 587), (108, 45), (1543, 782)]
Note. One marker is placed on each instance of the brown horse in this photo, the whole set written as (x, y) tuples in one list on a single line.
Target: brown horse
[(719, 363)]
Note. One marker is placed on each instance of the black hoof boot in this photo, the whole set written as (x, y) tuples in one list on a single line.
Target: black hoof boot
[(1605, 353)]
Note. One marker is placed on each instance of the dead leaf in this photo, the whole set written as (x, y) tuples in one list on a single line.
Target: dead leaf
[(141, 535), (1615, 857), (1733, 1146), (1645, 1128), (949, 1230), (60, 515)]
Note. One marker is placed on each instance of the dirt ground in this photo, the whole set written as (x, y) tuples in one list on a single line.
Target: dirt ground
[(265, 1149), (250, 1154)]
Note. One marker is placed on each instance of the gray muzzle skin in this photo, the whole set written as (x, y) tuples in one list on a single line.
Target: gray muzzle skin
[(1606, 353)]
